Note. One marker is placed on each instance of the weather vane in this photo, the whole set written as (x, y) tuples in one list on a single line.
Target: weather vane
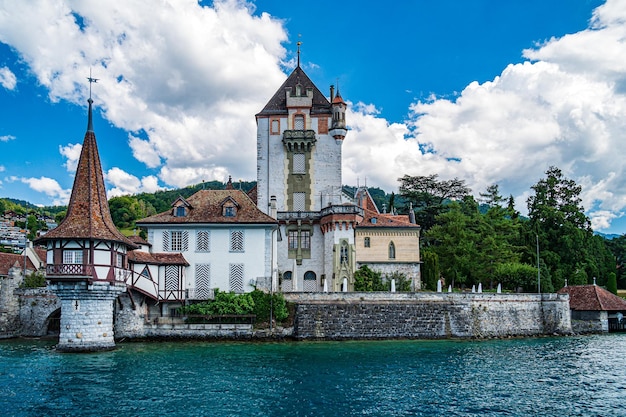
[(91, 80), (299, 43)]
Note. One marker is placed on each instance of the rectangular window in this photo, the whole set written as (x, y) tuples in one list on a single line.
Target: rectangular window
[(236, 241), (299, 164), (292, 238), (203, 281), (203, 241), (299, 201), (235, 278), (175, 241), (275, 127), (305, 239), (366, 242), (229, 211), (73, 257), (119, 260), (171, 277), (298, 122)]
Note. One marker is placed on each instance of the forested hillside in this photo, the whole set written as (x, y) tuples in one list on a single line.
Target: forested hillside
[(467, 238)]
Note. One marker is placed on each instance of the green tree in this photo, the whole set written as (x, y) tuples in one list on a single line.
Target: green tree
[(430, 273), (611, 283), (564, 232), (430, 196), (367, 280)]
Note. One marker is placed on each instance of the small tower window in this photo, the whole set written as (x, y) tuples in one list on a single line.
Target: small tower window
[(275, 127), (392, 251), (298, 122), (366, 242)]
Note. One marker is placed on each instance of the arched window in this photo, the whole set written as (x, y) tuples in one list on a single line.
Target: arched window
[(287, 276), (392, 251), (310, 276), (344, 253)]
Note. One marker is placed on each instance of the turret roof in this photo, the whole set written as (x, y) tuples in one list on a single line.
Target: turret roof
[(278, 103), (88, 215)]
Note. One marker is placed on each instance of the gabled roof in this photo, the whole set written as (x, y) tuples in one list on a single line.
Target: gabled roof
[(10, 260), (592, 298), (278, 103), (174, 258), (207, 208), (88, 215), (370, 212)]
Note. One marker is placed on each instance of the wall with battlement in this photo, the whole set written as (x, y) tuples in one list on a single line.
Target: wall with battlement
[(428, 315)]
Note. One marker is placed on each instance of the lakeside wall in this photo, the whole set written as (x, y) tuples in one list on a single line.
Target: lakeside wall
[(338, 316), (342, 316)]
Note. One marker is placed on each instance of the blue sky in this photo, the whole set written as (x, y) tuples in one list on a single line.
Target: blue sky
[(486, 91)]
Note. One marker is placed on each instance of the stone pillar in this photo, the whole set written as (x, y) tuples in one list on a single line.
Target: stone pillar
[(86, 315)]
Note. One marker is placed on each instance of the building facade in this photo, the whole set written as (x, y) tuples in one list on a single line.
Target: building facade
[(300, 135), (215, 239)]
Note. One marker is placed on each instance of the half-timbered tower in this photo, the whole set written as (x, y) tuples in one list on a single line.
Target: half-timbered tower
[(87, 258), (300, 134)]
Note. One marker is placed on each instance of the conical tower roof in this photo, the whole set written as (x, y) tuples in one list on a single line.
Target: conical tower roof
[(88, 215)]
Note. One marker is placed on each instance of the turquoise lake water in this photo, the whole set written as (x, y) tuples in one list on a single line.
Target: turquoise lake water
[(567, 376)]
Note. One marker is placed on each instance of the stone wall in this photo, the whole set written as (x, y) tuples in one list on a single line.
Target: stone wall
[(428, 315), (36, 307)]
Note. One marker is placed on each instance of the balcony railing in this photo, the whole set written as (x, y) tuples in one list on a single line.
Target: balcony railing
[(200, 294), (341, 209), (298, 215), (78, 271)]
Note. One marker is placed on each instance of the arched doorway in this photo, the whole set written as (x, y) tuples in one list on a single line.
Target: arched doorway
[(53, 323)]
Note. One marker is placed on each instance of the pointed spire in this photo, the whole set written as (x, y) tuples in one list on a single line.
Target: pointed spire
[(299, 43), (88, 215), (89, 118)]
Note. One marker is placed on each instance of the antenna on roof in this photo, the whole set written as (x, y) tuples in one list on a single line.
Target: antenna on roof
[(89, 118), (299, 43)]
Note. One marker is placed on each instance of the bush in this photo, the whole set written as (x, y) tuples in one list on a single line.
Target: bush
[(263, 302), (611, 283), (34, 280)]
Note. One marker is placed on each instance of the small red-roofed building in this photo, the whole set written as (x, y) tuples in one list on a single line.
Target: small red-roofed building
[(595, 309), (387, 242)]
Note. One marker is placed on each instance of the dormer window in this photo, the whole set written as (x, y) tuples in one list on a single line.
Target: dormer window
[(230, 211), (374, 220), (229, 207), (180, 211)]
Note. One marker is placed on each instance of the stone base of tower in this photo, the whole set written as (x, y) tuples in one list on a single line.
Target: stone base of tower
[(86, 315)]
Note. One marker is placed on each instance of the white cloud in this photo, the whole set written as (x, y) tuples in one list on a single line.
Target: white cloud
[(7, 78), (125, 183), (566, 108), (189, 76), (6, 138), (72, 153), (50, 187)]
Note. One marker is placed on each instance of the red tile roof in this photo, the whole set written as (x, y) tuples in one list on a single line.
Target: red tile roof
[(88, 215), (206, 207), (9, 260), (139, 257), (370, 212), (592, 298)]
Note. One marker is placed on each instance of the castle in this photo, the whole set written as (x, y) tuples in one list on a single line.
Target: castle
[(296, 231)]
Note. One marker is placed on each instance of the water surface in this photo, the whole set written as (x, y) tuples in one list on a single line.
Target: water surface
[(569, 376)]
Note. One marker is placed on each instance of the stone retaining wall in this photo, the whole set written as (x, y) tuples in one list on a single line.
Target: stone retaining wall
[(337, 316)]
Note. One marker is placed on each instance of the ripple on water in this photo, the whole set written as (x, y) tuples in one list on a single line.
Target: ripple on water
[(544, 376)]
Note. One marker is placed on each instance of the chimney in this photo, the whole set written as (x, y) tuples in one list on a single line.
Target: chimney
[(332, 93)]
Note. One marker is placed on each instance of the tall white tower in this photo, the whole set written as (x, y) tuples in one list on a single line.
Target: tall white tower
[(300, 135)]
